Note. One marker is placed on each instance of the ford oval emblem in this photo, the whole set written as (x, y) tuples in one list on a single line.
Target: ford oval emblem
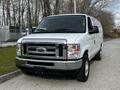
[(41, 49)]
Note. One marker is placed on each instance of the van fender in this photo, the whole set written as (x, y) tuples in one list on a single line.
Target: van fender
[(84, 49)]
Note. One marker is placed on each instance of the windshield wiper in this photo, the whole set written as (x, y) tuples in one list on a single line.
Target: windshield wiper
[(62, 30), (40, 30)]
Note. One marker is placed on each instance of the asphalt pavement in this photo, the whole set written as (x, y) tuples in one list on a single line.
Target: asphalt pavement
[(104, 75)]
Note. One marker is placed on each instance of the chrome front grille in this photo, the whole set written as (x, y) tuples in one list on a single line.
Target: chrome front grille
[(44, 50)]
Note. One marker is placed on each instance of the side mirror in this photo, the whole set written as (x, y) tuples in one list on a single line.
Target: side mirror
[(33, 29), (94, 30)]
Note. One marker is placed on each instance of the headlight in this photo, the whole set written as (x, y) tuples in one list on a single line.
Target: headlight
[(73, 51), (18, 49)]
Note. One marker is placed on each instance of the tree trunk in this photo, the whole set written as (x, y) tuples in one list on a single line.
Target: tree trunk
[(22, 13), (8, 19), (29, 17), (71, 6), (46, 8), (57, 7), (19, 19), (36, 14), (3, 17)]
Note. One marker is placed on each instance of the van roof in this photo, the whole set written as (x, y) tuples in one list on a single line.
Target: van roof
[(68, 15), (72, 14)]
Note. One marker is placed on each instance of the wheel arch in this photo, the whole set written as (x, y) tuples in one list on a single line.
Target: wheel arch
[(84, 50)]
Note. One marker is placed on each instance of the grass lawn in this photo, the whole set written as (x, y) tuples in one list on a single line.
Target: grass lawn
[(7, 59)]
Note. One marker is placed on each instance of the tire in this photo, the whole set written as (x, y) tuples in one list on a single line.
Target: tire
[(83, 74), (98, 56), (27, 72)]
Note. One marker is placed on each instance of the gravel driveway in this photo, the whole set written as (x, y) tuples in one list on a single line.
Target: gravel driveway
[(104, 75)]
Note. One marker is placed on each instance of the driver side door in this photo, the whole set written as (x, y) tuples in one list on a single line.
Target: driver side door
[(92, 41)]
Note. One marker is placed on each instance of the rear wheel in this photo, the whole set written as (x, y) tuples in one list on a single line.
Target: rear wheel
[(84, 70)]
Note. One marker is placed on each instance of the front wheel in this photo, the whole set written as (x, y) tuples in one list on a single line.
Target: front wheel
[(84, 70), (27, 72)]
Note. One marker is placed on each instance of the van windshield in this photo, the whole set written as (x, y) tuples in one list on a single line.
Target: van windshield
[(62, 24)]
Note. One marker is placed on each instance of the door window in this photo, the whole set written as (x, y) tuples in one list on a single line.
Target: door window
[(90, 28)]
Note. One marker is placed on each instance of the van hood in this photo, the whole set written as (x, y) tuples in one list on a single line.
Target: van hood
[(68, 37)]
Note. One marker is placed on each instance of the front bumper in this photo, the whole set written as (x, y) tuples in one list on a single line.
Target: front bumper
[(49, 64)]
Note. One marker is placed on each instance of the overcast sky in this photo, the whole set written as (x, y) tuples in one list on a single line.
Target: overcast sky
[(114, 7)]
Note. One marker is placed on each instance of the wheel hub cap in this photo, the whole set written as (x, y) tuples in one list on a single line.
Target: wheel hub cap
[(86, 68)]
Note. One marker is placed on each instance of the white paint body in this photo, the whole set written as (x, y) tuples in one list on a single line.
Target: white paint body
[(92, 43)]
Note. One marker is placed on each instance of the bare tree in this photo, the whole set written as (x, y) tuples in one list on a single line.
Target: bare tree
[(46, 10), (29, 23), (34, 9), (57, 7), (22, 12), (8, 18), (3, 16), (19, 13), (107, 21), (36, 12)]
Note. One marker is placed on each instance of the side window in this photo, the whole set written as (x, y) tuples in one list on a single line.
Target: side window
[(93, 28), (89, 24)]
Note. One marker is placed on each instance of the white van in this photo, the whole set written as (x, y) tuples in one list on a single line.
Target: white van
[(61, 43)]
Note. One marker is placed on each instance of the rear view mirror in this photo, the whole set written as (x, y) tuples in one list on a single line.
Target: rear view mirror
[(33, 29), (95, 29)]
